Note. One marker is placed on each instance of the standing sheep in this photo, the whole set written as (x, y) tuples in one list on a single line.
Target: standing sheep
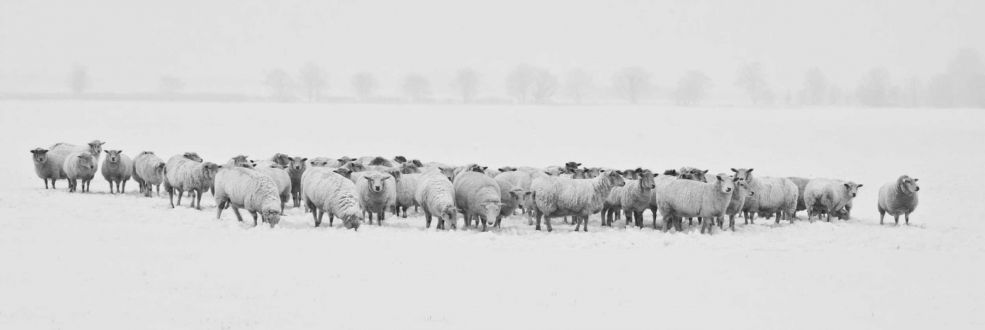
[(801, 185), (377, 191), (826, 196), (558, 197), (636, 195), (117, 168), (898, 197), (79, 166), (278, 173), (511, 197), (406, 189), (295, 169), (742, 192), (45, 168), (148, 171), (477, 196), (612, 206), (59, 152), (770, 196), (690, 198), (436, 195), (184, 173), (521, 180), (327, 191), (245, 188)]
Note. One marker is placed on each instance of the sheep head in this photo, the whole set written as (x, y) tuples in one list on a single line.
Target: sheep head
[(908, 185), (271, 216), (281, 159), (409, 168), (192, 156), (852, 188), (96, 147), (507, 169), (490, 211), (241, 161), (209, 170), (113, 156), (518, 194), (614, 178), (377, 182), (343, 172), (646, 178), (448, 172), (400, 159), (297, 163), (743, 174), (450, 214), (40, 155), (593, 172), (86, 161), (725, 184), (352, 221)]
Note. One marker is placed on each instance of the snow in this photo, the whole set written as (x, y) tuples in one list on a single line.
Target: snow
[(109, 261)]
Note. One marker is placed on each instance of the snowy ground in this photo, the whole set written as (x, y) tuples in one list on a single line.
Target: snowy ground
[(102, 261)]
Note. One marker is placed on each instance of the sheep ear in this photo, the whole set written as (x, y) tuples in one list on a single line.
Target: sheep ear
[(848, 186), (304, 159), (106, 151), (80, 156), (735, 170), (915, 180), (484, 168), (750, 170), (858, 186), (527, 193), (704, 172)]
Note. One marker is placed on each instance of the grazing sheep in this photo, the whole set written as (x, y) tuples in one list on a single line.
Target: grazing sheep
[(79, 166), (377, 191), (770, 196), (691, 198), (328, 191), (406, 189), (281, 159), (826, 196), (184, 173), (245, 188), (148, 171), (117, 168), (436, 195), (478, 198), (60, 151), (742, 192), (801, 185), (295, 169), (636, 196), (279, 174), (45, 168), (558, 197), (898, 197)]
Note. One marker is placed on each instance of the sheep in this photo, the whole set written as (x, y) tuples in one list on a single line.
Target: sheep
[(79, 166), (406, 189), (324, 162), (446, 171), (328, 191), (241, 161), (801, 185), (770, 196), (409, 168), (117, 168), (377, 191), (400, 159), (250, 189), (281, 159), (470, 168), (898, 197), (612, 206), (184, 173), (492, 173), (635, 197), (379, 161), (279, 174), (826, 196), (691, 198), (738, 200), (511, 197), (59, 152), (593, 172), (478, 197), (148, 171), (521, 180), (692, 173), (436, 195), (46, 168), (555, 197), (295, 169), (630, 174), (507, 169)]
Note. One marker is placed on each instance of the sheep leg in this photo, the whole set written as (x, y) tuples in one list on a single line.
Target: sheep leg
[(45, 183), (254, 215), (331, 218), (319, 214), (882, 216), (218, 212), (379, 218), (896, 218), (548, 221), (584, 226), (907, 217), (180, 192), (483, 219), (427, 219), (538, 214), (52, 183), (198, 201), (239, 217), (110, 187), (121, 186)]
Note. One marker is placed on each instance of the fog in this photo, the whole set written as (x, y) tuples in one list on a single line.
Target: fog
[(230, 46)]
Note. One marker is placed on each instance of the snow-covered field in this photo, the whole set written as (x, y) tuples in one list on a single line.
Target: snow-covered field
[(100, 261)]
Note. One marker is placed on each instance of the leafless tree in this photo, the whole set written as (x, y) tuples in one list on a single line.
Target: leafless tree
[(544, 85), (631, 83), (519, 82), (466, 82), (280, 85), (692, 88), (417, 87), (78, 79), (752, 80), (314, 81), (962, 84), (170, 85), (874, 89), (365, 85), (816, 89), (577, 84)]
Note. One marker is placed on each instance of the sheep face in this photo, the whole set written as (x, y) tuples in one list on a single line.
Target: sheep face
[(691, 173), (742, 187), (281, 159), (351, 221), (518, 194), (87, 162), (449, 214), (96, 147), (725, 184), (376, 183), (193, 156), (296, 163), (448, 172), (908, 185), (343, 172), (113, 156), (400, 159), (345, 160), (209, 170), (271, 217), (571, 165), (355, 167), (39, 155), (615, 179), (319, 163), (579, 173), (241, 161), (744, 174), (380, 161), (490, 211), (593, 172), (646, 179), (852, 188)]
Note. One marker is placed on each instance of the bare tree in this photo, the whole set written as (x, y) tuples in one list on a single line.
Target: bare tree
[(544, 85), (467, 83), (417, 87), (874, 89), (78, 79), (692, 88), (577, 84), (365, 85), (519, 82), (752, 80), (816, 89), (280, 85), (631, 83), (962, 84), (170, 85), (314, 81)]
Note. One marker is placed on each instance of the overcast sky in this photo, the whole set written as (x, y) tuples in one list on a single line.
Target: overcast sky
[(226, 45)]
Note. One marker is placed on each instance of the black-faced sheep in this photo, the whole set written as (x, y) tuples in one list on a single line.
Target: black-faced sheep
[(327, 191), (45, 168), (246, 188), (826, 196), (558, 197), (477, 196), (898, 198), (117, 169)]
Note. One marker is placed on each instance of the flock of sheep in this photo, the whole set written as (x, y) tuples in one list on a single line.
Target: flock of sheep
[(357, 190)]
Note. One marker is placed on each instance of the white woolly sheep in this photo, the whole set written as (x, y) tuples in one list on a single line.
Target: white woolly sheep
[(183, 173), (327, 191), (377, 191), (279, 174), (521, 180), (827, 196), (898, 198), (295, 169), (323, 162), (801, 185), (446, 171), (148, 171), (478, 198), (79, 166), (511, 196), (770, 196), (738, 200), (241, 161), (59, 152), (406, 189), (46, 168), (612, 206), (281, 159), (436, 195), (558, 197), (249, 189), (690, 198), (117, 168), (636, 196)]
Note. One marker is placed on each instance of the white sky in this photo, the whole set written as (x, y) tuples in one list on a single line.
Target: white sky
[(226, 45)]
